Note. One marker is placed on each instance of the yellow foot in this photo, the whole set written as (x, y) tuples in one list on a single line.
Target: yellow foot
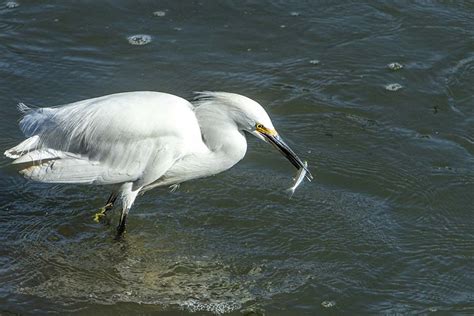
[(99, 214), (102, 212)]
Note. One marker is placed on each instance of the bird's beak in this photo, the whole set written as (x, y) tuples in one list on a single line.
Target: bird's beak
[(273, 138)]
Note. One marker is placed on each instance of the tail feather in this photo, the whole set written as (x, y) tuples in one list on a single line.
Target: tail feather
[(54, 166), (39, 155), (22, 148), (23, 108), (63, 171)]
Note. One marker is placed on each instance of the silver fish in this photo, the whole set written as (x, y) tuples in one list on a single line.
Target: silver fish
[(299, 178)]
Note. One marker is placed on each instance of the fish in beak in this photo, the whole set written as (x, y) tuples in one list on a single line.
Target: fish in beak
[(272, 137)]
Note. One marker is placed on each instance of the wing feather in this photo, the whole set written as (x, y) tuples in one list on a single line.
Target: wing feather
[(122, 131), (72, 170), (22, 148)]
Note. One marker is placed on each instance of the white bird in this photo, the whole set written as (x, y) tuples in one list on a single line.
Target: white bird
[(140, 140)]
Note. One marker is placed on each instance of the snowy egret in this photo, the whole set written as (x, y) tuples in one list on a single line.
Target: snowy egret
[(136, 141)]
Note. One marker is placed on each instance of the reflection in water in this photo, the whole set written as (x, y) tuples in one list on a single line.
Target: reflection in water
[(71, 260), (120, 272)]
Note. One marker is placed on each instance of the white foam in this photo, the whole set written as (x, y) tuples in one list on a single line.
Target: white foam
[(159, 13), (139, 39), (328, 304), (395, 66), (12, 4), (393, 87), (216, 307)]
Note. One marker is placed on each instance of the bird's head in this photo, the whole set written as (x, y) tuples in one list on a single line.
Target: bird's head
[(251, 117)]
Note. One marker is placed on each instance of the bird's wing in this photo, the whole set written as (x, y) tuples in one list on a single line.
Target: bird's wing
[(22, 148), (63, 169), (120, 134)]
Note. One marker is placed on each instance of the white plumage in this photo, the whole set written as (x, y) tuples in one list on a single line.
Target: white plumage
[(139, 140)]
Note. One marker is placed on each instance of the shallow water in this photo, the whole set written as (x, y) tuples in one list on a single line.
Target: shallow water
[(385, 227)]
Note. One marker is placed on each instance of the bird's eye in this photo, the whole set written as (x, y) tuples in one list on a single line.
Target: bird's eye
[(259, 126)]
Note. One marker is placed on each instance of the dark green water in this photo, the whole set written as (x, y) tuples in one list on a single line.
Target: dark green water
[(386, 227)]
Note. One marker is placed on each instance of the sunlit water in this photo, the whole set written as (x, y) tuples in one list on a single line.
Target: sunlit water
[(378, 97)]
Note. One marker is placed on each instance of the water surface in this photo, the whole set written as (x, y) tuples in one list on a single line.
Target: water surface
[(387, 225)]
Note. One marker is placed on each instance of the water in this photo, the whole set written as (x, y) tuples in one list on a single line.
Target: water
[(385, 227)]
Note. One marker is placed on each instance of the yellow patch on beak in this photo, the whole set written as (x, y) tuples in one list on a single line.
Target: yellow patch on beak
[(263, 130)]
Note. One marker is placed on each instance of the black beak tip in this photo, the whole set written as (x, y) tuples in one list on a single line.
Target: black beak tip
[(279, 144)]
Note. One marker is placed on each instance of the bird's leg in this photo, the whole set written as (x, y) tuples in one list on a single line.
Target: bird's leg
[(107, 207), (110, 202), (128, 196), (122, 223)]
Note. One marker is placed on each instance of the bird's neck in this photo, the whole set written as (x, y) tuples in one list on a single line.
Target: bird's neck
[(223, 145), (226, 143)]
